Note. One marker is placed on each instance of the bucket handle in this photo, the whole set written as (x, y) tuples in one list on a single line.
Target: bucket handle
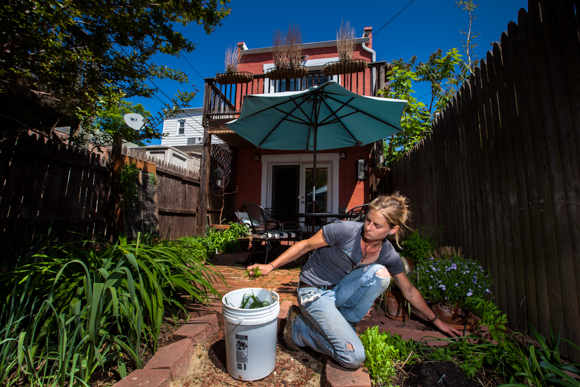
[(240, 321)]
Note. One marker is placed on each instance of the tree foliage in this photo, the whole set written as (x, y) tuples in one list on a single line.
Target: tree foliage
[(64, 62), (445, 73)]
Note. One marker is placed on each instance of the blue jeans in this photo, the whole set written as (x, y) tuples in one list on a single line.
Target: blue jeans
[(329, 315)]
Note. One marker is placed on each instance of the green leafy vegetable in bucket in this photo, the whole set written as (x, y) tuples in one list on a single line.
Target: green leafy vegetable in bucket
[(250, 301)]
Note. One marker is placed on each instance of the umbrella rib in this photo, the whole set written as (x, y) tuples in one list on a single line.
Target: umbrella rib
[(338, 119), (289, 114), (283, 119), (337, 110), (366, 114)]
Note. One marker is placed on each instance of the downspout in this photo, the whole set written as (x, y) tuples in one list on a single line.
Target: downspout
[(367, 34)]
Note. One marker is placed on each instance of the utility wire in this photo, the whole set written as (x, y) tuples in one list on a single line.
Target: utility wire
[(375, 34), (193, 67), (162, 92)]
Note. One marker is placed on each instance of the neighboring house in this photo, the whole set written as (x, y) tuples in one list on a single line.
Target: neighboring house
[(183, 137), (278, 179)]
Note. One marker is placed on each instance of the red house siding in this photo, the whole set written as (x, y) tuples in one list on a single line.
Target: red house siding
[(249, 173)]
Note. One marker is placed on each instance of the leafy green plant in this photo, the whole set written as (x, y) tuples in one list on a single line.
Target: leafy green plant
[(225, 241), (420, 244), (491, 317), (90, 304), (126, 181), (254, 273), (251, 301), (380, 355), (542, 365), (153, 179)]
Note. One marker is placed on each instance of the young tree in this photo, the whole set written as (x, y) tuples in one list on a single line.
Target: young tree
[(445, 72), (64, 62)]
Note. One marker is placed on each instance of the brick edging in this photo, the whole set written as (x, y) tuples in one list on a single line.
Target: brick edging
[(172, 361)]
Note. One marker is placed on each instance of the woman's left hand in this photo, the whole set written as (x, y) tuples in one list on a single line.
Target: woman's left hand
[(446, 328)]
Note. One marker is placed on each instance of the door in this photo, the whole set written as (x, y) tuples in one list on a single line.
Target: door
[(285, 190)]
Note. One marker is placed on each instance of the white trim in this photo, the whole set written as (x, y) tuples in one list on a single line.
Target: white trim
[(312, 64), (305, 161)]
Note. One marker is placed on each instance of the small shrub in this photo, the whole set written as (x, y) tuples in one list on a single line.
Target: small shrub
[(452, 280), (419, 245)]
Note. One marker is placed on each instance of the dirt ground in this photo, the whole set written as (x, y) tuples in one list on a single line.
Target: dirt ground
[(293, 368)]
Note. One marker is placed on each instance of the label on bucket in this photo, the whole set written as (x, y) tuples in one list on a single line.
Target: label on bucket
[(242, 352)]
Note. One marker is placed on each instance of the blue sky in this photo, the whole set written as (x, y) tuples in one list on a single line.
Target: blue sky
[(422, 28)]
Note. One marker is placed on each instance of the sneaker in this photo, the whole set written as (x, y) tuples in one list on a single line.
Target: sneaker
[(293, 312)]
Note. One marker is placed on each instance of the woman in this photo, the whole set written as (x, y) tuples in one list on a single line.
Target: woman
[(352, 266)]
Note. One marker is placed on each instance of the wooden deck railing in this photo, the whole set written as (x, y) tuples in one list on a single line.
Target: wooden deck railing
[(226, 101)]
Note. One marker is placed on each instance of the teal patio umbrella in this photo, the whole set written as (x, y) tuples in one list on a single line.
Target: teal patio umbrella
[(323, 117)]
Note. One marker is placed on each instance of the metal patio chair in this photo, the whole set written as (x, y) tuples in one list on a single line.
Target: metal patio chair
[(269, 230), (355, 214)]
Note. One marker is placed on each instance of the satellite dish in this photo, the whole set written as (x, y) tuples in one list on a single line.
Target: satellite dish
[(134, 120)]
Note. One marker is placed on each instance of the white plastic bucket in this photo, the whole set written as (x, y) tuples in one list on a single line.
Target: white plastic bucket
[(250, 334)]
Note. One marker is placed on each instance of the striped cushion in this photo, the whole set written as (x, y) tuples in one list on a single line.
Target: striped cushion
[(278, 235)]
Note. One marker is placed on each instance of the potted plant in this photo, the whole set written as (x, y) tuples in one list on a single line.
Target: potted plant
[(345, 45), (287, 55), (396, 307), (447, 281), (232, 75)]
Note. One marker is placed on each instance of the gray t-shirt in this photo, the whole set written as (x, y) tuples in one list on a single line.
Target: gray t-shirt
[(328, 265)]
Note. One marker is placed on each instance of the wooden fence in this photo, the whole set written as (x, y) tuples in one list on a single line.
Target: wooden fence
[(177, 197), (50, 190), (501, 170)]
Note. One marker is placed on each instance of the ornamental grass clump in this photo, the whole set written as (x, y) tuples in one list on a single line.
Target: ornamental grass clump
[(452, 279)]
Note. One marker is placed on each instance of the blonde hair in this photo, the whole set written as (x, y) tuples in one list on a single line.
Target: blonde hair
[(395, 209)]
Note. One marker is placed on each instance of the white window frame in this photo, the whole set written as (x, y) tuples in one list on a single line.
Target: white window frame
[(180, 127)]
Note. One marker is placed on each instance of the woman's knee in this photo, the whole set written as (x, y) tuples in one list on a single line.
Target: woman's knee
[(353, 356), (383, 273)]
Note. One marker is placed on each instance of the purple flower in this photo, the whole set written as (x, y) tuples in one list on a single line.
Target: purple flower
[(487, 291), (470, 294), (442, 287)]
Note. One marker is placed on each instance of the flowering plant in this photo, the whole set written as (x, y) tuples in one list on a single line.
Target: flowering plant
[(452, 279)]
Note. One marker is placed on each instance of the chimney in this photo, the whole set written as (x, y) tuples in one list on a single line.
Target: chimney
[(369, 34)]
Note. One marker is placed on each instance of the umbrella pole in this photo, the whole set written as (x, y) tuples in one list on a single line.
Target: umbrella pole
[(314, 176)]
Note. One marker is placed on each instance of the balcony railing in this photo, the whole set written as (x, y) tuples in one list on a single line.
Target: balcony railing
[(226, 101)]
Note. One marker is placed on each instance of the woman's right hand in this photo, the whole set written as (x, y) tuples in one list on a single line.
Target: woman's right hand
[(262, 269)]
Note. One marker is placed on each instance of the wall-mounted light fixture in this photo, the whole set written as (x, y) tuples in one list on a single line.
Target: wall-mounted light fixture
[(342, 155), (218, 176), (257, 157), (361, 169)]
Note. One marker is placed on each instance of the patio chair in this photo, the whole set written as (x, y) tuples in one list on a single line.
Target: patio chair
[(269, 230), (355, 214)]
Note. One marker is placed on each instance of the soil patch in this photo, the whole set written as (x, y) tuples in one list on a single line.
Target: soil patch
[(293, 368)]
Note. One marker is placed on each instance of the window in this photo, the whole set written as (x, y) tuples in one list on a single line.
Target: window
[(181, 127), (297, 84)]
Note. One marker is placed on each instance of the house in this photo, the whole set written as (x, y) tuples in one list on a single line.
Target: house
[(182, 140), (282, 179)]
